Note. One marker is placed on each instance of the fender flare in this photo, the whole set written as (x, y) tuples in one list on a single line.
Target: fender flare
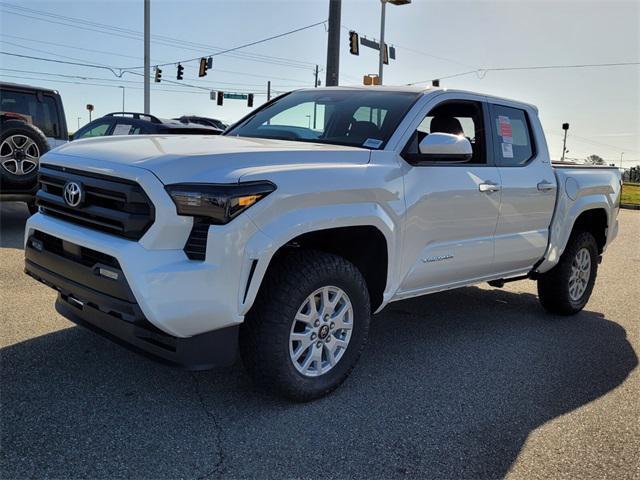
[(559, 237), (269, 238)]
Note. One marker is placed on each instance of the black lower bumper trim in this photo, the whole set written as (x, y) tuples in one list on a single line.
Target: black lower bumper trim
[(201, 352)]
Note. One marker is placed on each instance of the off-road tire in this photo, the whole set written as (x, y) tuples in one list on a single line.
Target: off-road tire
[(264, 336), (9, 128), (553, 286)]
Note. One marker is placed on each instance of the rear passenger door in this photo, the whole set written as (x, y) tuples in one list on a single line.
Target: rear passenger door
[(528, 187)]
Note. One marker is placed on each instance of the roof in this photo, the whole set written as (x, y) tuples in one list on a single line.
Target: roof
[(424, 90), (26, 87)]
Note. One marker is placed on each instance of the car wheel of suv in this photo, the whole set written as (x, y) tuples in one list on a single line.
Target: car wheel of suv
[(308, 325), (566, 288), (21, 146)]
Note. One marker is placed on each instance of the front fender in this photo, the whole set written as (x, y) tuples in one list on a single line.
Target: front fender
[(281, 230)]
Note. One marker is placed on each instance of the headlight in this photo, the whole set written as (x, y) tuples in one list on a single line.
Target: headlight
[(218, 203)]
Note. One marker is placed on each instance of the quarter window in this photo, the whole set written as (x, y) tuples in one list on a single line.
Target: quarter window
[(511, 136)]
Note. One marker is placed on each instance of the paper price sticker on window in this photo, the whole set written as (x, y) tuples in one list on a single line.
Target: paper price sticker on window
[(504, 129), (121, 129), (507, 150)]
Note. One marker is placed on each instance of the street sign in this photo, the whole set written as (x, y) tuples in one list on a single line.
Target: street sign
[(236, 96)]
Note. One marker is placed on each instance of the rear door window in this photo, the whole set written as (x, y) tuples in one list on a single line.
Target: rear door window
[(511, 136), (43, 112)]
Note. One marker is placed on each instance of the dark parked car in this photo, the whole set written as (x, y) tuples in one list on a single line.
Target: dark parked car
[(31, 122), (211, 122), (130, 123)]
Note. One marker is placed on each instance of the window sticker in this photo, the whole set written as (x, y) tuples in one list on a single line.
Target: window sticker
[(507, 150), (372, 143), (504, 129), (122, 129)]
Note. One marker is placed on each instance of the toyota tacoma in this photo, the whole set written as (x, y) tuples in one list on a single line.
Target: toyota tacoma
[(280, 238)]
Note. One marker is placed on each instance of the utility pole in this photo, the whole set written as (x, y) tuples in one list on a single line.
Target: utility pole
[(147, 60), (268, 90), (565, 127), (316, 83), (333, 44)]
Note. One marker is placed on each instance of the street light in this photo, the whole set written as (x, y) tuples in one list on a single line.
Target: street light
[(382, 16), (122, 97)]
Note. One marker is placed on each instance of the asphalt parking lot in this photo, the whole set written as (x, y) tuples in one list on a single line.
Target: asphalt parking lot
[(473, 383)]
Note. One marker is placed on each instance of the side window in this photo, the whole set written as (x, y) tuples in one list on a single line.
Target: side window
[(43, 114), (456, 118), (98, 130), (511, 136)]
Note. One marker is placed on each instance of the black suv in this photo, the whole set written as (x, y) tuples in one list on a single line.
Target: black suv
[(131, 123), (31, 122)]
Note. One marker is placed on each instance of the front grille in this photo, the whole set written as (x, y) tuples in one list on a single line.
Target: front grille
[(111, 204), (83, 255)]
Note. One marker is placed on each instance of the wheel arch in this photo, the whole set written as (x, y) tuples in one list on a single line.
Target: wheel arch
[(367, 241)]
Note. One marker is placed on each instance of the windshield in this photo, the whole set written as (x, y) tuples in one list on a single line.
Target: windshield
[(358, 118)]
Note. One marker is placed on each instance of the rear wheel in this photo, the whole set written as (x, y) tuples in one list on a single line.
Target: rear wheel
[(308, 326), (566, 288)]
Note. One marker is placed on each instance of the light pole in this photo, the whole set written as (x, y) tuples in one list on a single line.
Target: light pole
[(382, 19), (565, 127), (147, 54), (621, 154), (79, 122), (122, 97)]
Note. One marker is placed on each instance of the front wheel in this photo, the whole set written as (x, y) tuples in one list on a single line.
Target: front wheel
[(308, 326), (566, 288)]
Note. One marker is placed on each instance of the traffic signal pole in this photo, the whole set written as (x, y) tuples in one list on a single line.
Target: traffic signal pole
[(147, 60), (381, 58), (333, 43)]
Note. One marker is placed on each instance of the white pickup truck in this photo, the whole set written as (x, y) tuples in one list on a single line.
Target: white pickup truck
[(282, 236)]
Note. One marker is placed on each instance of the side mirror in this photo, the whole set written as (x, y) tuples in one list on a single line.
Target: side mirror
[(445, 147)]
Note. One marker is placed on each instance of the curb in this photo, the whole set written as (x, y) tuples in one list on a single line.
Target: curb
[(630, 206)]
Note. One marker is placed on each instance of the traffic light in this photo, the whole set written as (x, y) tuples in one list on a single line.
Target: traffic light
[(220, 98), (435, 83), (210, 63), (204, 66), (180, 73), (354, 43), (250, 100), (158, 75), (385, 55)]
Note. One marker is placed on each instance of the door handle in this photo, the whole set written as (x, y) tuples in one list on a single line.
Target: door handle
[(545, 186), (489, 187)]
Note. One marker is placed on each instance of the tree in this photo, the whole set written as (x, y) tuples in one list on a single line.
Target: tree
[(594, 160)]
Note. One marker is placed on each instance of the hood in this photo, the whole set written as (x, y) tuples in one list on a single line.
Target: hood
[(193, 158)]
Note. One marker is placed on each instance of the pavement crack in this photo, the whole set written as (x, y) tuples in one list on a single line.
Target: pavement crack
[(218, 466)]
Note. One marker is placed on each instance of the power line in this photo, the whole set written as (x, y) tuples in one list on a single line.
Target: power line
[(163, 40), (127, 31), (233, 49), (481, 72)]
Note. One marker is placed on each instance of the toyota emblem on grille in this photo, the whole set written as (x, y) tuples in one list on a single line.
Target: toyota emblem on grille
[(72, 194)]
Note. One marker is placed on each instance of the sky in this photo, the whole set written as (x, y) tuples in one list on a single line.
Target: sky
[(433, 39)]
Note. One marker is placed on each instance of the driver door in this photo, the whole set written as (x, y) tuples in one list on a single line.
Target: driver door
[(452, 208)]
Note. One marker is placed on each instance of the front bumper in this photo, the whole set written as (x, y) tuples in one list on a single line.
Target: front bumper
[(107, 305)]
